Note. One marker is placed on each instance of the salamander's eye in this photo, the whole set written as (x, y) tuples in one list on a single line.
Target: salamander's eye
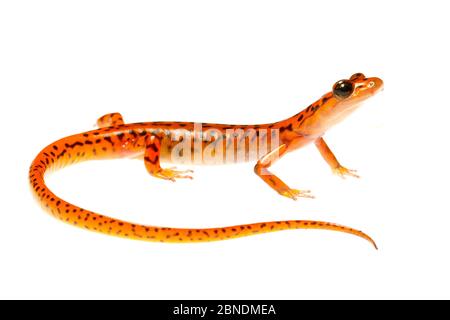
[(357, 76), (343, 89)]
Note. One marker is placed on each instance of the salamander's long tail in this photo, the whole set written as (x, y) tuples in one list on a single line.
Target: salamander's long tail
[(69, 213)]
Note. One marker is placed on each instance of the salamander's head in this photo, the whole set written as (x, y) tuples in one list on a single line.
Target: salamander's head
[(356, 89), (334, 106)]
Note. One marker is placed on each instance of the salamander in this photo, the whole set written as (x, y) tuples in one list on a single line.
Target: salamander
[(202, 143)]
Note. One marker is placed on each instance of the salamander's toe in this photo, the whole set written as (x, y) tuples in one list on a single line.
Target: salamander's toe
[(294, 194), (172, 174), (344, 172)]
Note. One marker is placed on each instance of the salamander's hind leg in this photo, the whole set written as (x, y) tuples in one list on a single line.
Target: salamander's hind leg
[(261, 169), (151, 159), (330, 158), (110, 120)]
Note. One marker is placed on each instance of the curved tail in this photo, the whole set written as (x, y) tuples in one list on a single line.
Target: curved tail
[(57, 154)]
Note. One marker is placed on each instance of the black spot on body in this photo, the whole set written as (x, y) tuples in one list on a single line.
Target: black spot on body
[(154, 147), (109, 140)]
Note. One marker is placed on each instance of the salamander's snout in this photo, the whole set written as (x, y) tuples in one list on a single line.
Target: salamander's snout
[(376, 83), (368, 87)]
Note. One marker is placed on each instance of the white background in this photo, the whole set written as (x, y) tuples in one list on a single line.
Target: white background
[(64, 64)]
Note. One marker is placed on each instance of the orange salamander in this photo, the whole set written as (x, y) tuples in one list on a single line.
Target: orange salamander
[(202, 143)]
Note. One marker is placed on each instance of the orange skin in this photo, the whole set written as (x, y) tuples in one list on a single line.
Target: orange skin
[(152, 140)]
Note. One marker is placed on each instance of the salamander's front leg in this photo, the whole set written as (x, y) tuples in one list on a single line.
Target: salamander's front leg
[(261, 169), (329, 157), (151, 159), (110, 120)]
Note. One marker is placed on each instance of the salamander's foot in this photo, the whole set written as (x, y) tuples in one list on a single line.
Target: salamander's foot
[(294, 194), (343, 172), (172, 174)]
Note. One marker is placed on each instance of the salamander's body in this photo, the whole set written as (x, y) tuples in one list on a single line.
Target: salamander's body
[(201, 143)]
